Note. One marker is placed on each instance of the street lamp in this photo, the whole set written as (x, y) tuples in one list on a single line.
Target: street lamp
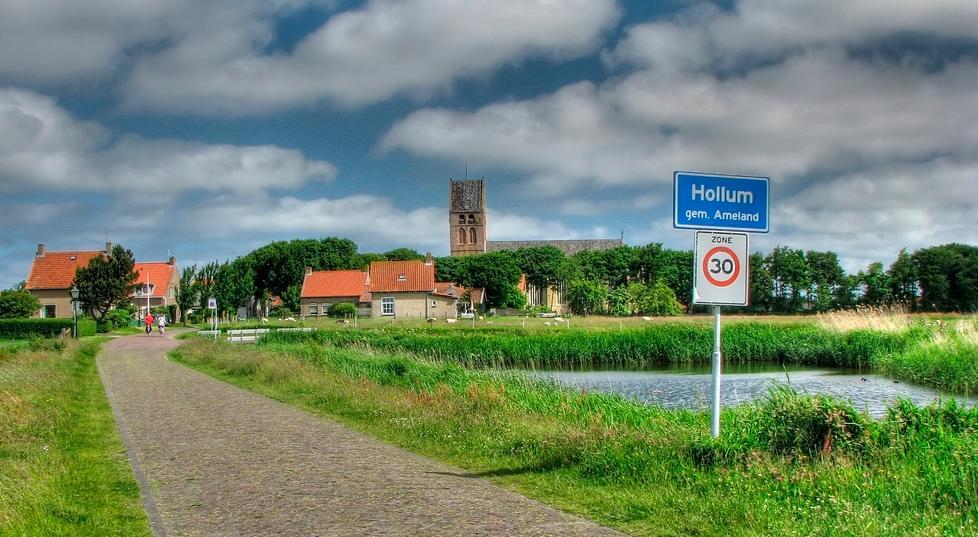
[(74, 307)]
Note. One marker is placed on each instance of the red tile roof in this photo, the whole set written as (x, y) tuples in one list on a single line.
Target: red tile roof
[(159, 275), (401, 277), (336, 284), (452, 290), (56, 270)]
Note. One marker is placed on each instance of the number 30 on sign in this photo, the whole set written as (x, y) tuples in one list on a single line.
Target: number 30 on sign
[(722, 269)]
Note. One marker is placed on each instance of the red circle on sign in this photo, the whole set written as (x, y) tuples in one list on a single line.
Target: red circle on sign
[(706, 269)]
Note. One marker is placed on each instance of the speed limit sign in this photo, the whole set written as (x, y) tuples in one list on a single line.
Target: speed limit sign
[(722, 269)]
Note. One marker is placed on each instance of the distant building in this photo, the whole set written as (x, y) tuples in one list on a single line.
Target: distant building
[(52, 275), (467, 217), (468, 235), (323, 289), (156, 285)]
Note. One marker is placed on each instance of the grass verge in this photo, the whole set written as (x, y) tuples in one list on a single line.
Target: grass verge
[(63, 468), (794, 465)]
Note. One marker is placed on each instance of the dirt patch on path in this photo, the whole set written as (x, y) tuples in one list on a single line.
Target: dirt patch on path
[(216, 460)]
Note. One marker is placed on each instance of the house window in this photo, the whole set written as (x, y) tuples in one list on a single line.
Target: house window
[(49, 311), (173, 292), (313, 310), (387, 305), (472, 235), (325, 308)]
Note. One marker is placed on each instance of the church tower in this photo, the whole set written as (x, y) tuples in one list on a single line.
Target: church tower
[(467, 217)]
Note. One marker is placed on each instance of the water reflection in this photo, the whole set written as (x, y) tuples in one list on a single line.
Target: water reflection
[(689, 386)]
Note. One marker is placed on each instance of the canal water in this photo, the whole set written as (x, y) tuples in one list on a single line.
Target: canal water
[(690, 386)]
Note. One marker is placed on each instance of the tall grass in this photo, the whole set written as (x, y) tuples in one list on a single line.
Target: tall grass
[(659, 344), (787, 465), (63, 470)]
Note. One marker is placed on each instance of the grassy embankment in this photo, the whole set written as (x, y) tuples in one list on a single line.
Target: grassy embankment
[(63, 468), (790, 465)]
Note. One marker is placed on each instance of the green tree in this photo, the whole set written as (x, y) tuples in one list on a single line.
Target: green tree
[(18, 304), (188, 291), (403, 254), (497, 273), (280, 266), (948, 276), (451, 269), (585, 297), (875, 285), (903, 280), (619, 302), (540, 264), (825, 277), (789, 271), (761, 284), (677, 273), (106, 281)]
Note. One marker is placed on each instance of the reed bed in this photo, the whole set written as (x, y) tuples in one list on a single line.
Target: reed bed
[(660, 344)]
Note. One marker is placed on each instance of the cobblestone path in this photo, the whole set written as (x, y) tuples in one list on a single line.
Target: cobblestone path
[(216, 460)]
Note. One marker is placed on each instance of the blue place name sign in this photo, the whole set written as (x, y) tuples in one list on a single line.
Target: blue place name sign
[(720, 202)]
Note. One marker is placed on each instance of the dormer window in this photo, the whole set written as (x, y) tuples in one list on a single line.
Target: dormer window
[(402, 277)]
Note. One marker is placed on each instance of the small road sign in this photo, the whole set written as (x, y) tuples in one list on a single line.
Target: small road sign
[(212, 303), (722, 202), (722, 268)]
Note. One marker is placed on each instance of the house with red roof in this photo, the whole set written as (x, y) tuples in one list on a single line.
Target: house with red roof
[(52, 275), (409, 289), (156, 286), (324, 288)]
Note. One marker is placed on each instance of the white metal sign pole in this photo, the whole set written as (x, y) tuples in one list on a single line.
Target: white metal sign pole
[(715, 427)]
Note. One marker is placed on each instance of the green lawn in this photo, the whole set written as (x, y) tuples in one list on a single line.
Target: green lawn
[(63, 468)]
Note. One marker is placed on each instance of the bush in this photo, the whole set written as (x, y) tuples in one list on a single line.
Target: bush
[(104, 327), (342, 309), (18, 304), (28, 328), (119, 317), (280, 312)]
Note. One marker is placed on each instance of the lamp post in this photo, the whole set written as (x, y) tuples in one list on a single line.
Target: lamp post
[(74, 307)]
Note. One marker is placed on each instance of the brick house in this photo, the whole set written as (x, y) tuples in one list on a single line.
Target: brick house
[(156, 285), (322, 289), (407, 289), (52, 275)]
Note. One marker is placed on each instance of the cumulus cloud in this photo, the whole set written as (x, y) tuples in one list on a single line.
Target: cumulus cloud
[(858, 129), (45, 147), (363, 56), (59, 41)]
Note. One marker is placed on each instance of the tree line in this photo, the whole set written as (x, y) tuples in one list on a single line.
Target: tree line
[(626, 280)]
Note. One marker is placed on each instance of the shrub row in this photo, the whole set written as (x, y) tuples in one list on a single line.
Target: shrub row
[(660, 344), (27, 328)]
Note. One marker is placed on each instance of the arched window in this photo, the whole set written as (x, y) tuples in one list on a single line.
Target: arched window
[(461, 235), (471, 218), (461, 219), (472, 235)]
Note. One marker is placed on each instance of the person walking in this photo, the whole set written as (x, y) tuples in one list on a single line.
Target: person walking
[(149, 322), (161, 323)]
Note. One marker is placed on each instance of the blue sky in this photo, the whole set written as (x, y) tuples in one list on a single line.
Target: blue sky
[(208, 128)]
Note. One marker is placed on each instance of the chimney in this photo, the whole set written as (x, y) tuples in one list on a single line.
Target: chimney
[(40, 250), (108, 247), (308, 271), (172, 261), (429, 259)]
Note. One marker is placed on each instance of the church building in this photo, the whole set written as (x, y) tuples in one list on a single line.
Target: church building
[(468, 235)]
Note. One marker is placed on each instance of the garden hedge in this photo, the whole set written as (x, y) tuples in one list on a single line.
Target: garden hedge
[(26, 328)]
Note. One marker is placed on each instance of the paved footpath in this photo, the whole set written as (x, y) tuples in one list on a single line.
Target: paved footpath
[(216, 460)]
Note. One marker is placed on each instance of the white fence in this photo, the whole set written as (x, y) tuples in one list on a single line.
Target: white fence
[(248, 335)]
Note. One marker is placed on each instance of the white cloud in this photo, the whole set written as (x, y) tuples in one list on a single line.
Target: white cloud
[(59, 41), (44, 147), (363, 56), (868, 153)]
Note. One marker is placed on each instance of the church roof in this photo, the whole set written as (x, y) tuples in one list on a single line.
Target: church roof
[(569, 247), (467, 196)]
